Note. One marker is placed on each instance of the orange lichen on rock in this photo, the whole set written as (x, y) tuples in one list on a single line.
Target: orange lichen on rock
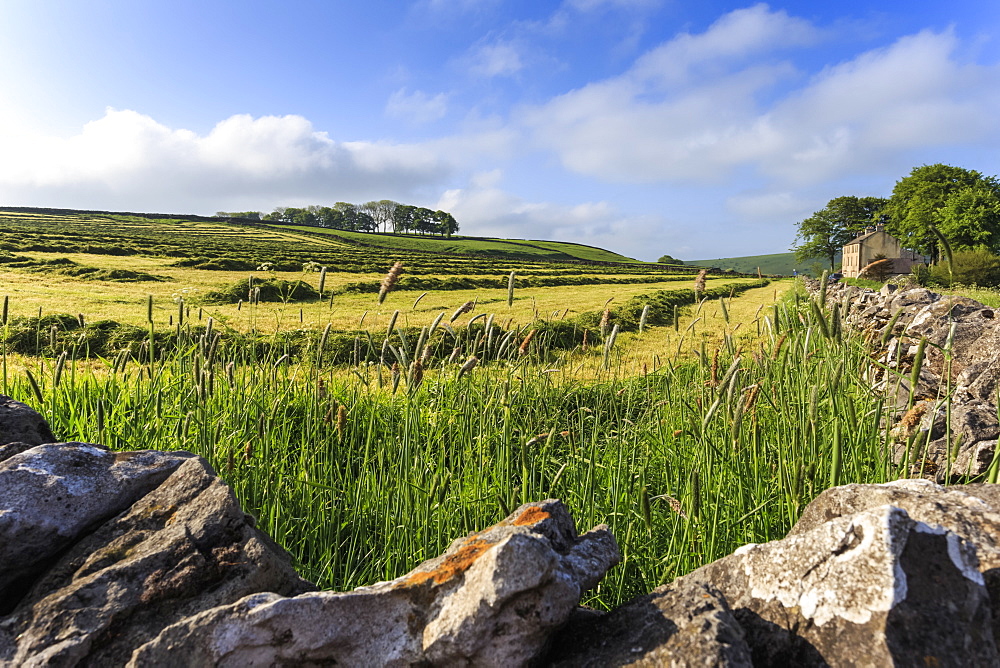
[(532, 515), (452, 565)]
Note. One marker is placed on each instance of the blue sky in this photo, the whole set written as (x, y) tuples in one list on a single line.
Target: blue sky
[(698, 129)]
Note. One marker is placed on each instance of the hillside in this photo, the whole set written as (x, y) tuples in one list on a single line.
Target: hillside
[(462, 245), (128, 233), (781, 264)]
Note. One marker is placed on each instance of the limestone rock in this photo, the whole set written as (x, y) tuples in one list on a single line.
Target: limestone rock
[(686, 623), (909, 299), (970, 511), (876, 587), (943, 448), (17, 447), (19, 422), (969, 327), (183, 548), (50, 495), (980, 377), (491, 599)]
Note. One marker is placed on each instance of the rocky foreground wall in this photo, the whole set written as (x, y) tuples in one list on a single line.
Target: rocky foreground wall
[(146, 559), (946, 425)]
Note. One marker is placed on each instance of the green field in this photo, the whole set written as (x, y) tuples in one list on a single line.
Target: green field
[(366, 434), (456, 245), (775, 264)]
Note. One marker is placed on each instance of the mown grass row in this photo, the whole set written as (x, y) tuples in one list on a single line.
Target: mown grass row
[(484, 336), (362, 475)]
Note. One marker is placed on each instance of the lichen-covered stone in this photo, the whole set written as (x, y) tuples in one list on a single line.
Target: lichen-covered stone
[(491, 599), (876, 588), (969, 511)]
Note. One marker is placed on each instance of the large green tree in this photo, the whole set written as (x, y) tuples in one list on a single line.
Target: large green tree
[(962, 204), (824, 233)]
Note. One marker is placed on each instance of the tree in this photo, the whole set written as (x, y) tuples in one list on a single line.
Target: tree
[(381, 212), (447, 225), (970, 218), (962, 204), (424, 221), (249, 215), (824, 233), (667, 259), (403, 219)]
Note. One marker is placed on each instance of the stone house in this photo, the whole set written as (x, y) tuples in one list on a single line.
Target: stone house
[(875, 241)]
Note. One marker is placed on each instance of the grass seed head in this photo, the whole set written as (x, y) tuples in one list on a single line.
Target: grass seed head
[(523, 348), (675, 506), (464, 308), (909, 423), (537, 438), (699, 281), (777, 346), (469, 365), (416, 374), (341, 421), (390, 281)]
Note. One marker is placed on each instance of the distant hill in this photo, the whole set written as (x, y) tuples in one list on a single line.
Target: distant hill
[(463, 245), (776, 263)]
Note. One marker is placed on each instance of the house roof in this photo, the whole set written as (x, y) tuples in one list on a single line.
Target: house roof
[(864, 236)]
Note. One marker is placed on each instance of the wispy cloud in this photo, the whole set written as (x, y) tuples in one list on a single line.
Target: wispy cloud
[(488, 210), (499, 58), (417, 107)]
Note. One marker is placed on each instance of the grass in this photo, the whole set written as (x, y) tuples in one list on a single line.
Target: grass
[(706, 428), (125, 302), (686, 461), (579, 251)]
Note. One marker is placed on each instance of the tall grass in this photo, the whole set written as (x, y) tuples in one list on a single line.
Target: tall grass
[(360, 482)]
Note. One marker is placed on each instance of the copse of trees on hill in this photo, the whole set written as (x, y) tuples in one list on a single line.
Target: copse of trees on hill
[(383, 215)]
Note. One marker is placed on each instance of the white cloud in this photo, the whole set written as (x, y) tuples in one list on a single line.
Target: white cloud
[(732, 39), (884, 103), (483, 209), (417, 107), (720, 104), (769, 206), (128, 160), (496, 59)]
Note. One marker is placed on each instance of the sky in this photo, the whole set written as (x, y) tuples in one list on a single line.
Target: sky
[(698, 129)]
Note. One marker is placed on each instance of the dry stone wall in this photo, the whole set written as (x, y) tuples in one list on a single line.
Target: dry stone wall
[(945, 424)]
